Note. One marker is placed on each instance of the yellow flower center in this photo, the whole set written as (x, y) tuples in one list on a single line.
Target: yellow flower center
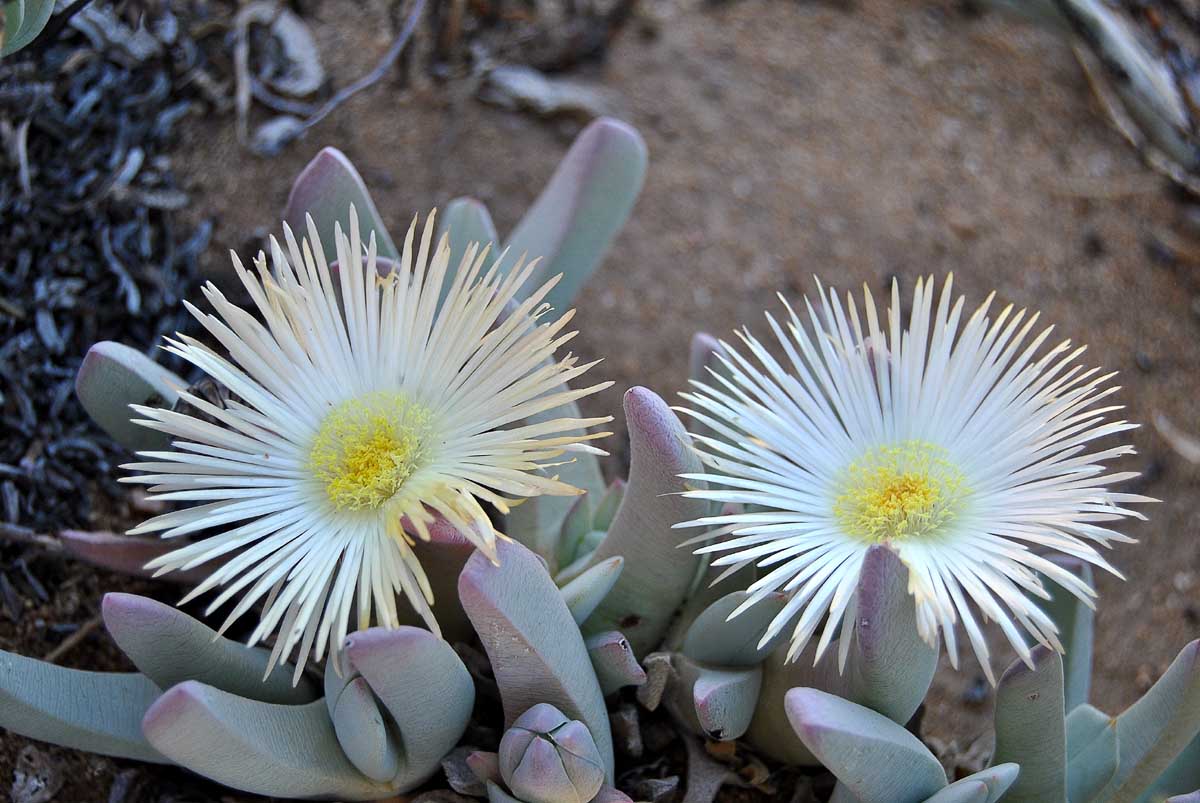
[(367, 447), (902, 491)]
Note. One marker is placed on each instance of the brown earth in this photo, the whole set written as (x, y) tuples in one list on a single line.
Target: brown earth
[(854, 143)]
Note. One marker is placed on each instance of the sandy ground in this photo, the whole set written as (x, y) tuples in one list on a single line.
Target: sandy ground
[(852, 143)]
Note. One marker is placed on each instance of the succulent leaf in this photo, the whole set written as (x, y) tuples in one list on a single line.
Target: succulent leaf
[(889, 665), (537, 652), (1075, 621), (21, 22), (968, 790), (716, 639), (325, 189), (442, 557), (466, 221), (485, 765), (424, 687), (657, 574), (169, 647), (113, 376), (586, 202), (538, 521), (1156, 729), (263, 748), (877, 760), (127, 554), (96, 711), (1031, 728), (496, 794), (608, 505), (585, 592), (1183, 775), (1092, 752), (718, 701), (614, 662), (575, 527), (997, 779), (364, 734)]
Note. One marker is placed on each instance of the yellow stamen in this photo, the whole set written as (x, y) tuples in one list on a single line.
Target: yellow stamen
[(902, 491), (367, 447)]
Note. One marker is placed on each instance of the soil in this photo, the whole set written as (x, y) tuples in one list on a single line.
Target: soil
[(787, 140)]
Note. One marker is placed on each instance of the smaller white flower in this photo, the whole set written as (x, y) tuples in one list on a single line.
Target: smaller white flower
[(364, 406), (961, 445)]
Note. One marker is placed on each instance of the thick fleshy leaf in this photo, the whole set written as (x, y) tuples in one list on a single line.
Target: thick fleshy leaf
[(889, 665), (537, 652), (614, 662), (1178, 779), (129, 554), (1031, 729), (997, 779), (878, 760), (586, 202), (364, 734), (95, 711), (575, 527), (716, 639), (325, 189), (1092, 752), (719, 701), (113, 376), (496, 794), (24, 20), (1191, 797), (703, 360), (442, 557), (169, 647), (608, 505), (538, 521), (466, 221), (1154, 731), (967, 790), (771, 731), (1075, 622), (422, 684), (657, 574), (485, 765), (585, 592), (263, 748)]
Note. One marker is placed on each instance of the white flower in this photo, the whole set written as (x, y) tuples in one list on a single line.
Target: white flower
[(363, 407), (963, 446)]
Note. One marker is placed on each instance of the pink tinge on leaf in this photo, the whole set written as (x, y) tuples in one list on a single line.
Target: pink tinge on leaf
[(129, 554)]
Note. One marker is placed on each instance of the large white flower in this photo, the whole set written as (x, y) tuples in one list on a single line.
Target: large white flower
[(363, 406), (963, 446)]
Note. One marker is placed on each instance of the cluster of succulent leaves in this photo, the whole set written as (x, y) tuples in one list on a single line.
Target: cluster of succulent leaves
[(592, 596)]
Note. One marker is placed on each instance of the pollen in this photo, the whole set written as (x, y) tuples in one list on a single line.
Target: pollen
[(367, 447), (907, 490)]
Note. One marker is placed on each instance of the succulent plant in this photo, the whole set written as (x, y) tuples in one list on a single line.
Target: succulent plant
[(204, 703), (591, 596)]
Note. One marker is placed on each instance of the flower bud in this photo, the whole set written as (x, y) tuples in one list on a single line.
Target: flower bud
[(547, 758)]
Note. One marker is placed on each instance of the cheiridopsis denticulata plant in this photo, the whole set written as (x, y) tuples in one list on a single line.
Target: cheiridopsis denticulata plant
[(593, 594), (365, 751)]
